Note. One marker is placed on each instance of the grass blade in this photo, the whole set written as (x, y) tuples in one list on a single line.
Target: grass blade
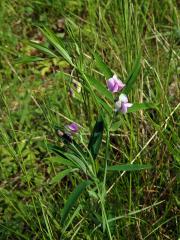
[(102, 66), (73, 198), (58, 150), (105, 106), (42, 48), (57, 44), (101, 88), (133, 75), (61, 175), (28, 59), (129, 167), (61, 161), (141, 106)]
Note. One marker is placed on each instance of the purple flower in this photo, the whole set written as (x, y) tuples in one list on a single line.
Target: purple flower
[(122, 104), (114, 84), (73, 127)]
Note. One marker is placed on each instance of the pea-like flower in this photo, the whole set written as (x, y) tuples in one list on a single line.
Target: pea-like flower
[(114, 84), (122, 104), (73, 127)]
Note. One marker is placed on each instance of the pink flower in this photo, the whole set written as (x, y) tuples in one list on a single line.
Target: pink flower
[(114, 84), (122, 104), (73, 127)]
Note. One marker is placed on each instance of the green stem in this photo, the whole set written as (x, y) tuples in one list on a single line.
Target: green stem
[(106, 162), (104, 216)]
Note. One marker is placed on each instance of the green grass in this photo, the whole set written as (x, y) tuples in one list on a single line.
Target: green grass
[(34, 98)]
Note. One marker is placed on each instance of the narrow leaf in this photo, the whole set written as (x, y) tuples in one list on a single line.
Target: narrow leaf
[(42, 48), (77, 161), (28, 59), (105, 105), (73, 198), (57, 44), (133, 75), (129, 167), (115, 125), (100, 87), (61, 161), (96, 137), (141, 106), (102, 66), (61, 175), (57, 149)]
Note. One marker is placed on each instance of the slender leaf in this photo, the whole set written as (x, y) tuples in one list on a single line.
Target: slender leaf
[(57, 44), (102, 66), (73, 198), (100, 87), (96, 137), (28, 59), (77, 161), (141, 106), (115, 125), (133, 75), (61, 161), (57, 149), (129, 167), (42, 48), (61, 175), (106, 106)]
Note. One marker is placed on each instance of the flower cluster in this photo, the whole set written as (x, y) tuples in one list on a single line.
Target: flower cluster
[(116, 85), (121, 105), (73, 127), (70, 130)]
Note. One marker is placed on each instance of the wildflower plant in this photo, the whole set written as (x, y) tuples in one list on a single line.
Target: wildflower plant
[(110, 100)]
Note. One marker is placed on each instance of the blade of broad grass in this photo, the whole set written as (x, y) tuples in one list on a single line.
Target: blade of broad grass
[(133, 75), (42, 48), (102, 66), (129, 167), (141, 106), (96, 137), (73, 198), (61, 175), (57, 44)]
